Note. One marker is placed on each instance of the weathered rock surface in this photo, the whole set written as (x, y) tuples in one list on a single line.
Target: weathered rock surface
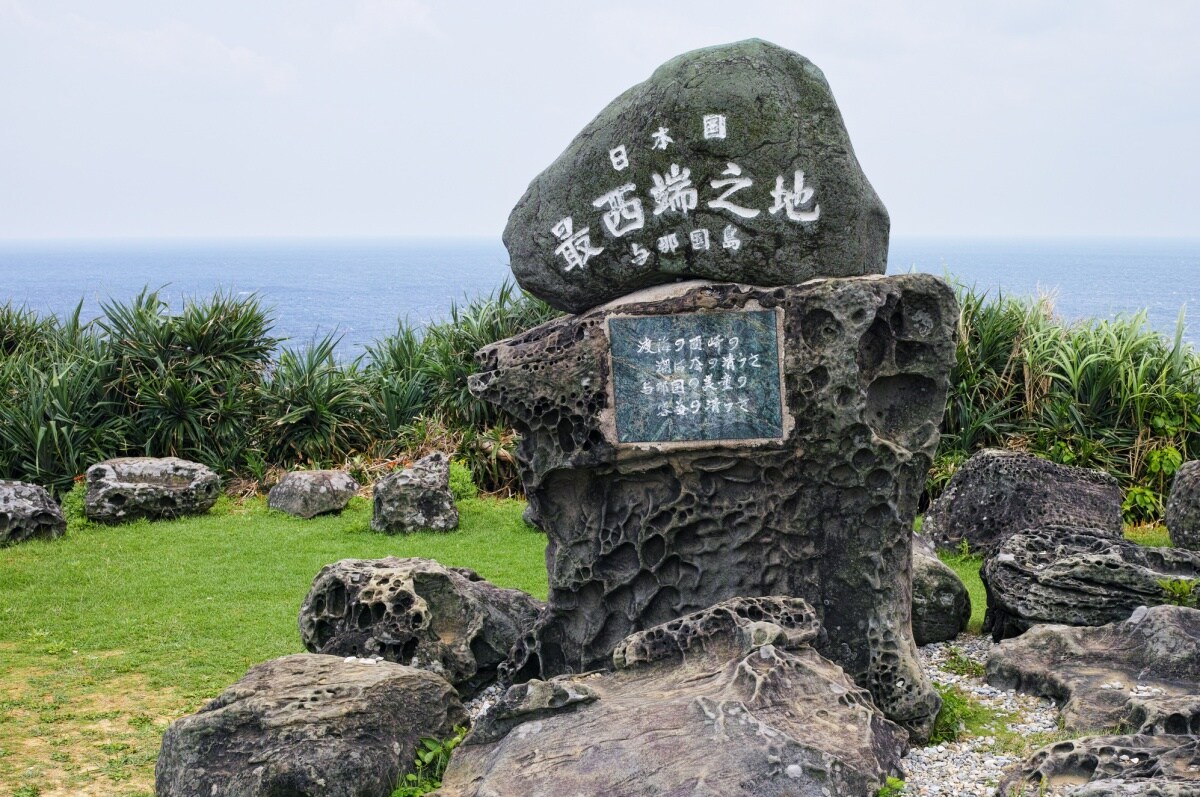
[(28, 512), (1183, 507), (129, 488), (941, 606), (728, 701), (415, 611), (308, 493), (1073, 576), (1142, 674), (739, 152), (642, 533), (416, 498), (308, 725), (1111, 766), (997, 493)]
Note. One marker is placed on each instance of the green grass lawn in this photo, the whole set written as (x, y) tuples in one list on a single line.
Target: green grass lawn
[(110, 632)]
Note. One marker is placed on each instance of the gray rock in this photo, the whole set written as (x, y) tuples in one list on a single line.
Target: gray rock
[(1073, 576), (416, 498), (308, 493), (1142, 673), (28, 512), (120, 490), (1183, 507), (308, 725), (415, 611), (728, 701), (775, 172), (996, 493), (642, 533), (1110, 766), (941, 606)]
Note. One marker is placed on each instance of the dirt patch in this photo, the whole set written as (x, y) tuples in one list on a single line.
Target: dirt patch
[(68, 734)]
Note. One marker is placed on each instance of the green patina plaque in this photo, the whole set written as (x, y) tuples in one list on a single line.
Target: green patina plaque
[(695, 377)]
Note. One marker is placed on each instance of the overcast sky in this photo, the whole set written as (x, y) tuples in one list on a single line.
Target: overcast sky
[(401, 117)]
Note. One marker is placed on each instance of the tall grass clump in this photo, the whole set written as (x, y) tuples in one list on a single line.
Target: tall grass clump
[(1105, 394)]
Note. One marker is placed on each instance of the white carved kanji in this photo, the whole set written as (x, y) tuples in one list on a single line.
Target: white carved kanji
[(661, 138), (699, 239), (624, 213), (619, 157), (729, 238), (668, 243), (576, 247), (714, 125), (640, 254), (673, 191), (735, 182), (794, 201)]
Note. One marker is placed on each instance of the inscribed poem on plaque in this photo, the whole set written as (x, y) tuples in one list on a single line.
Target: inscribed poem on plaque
[(696, 377)]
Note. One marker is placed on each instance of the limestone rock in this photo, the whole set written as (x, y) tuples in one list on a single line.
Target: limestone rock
[(308, 493), (758, 182), (1183, 507), (996, 493), (729, 701), (1074, 576), (417, 612), (308, 725), (28, 512), (643, 532), (1142, 673), (941, 604), (1110, 766), (416, 498), (129, 488)]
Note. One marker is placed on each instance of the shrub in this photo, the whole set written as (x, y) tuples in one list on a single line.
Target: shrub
[(462, 484)]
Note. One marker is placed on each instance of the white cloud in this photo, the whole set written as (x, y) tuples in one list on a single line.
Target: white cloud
[(375, 21)]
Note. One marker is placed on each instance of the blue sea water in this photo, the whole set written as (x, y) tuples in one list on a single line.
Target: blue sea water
[(360, 288)]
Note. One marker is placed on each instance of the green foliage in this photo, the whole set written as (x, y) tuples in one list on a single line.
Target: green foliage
[(893, 787), (432, 758), (966, 566), (462, 484), (959, 715), (1181, 591), (959, 664), (1106, 394)]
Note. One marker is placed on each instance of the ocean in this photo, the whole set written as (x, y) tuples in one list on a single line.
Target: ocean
[(360, 288)]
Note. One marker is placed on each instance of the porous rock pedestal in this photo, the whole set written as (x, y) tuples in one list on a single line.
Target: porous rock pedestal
[(417, 612), (728, 702), (129, 488), (997, 493), (416, 498), (1075, 576), (308, 725), (27, 512), (1183, 507), (730, 163), (640, 534), (308, 493), (1142, 673)]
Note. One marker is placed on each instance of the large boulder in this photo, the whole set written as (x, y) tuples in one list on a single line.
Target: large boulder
[(941, 605), (416, 498), (728, 701), (730, 163), (415, 611), (308, 493), (1110, 766), (308, 725), (1183, 507), (1073, 576), (1142, 673), (996, 493), (696, 442), (28, 512), (129, 488)]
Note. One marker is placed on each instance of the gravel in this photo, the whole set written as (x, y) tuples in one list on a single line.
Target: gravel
[(975, 765)]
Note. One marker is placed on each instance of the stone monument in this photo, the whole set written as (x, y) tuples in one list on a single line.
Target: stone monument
[(735, 409)]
